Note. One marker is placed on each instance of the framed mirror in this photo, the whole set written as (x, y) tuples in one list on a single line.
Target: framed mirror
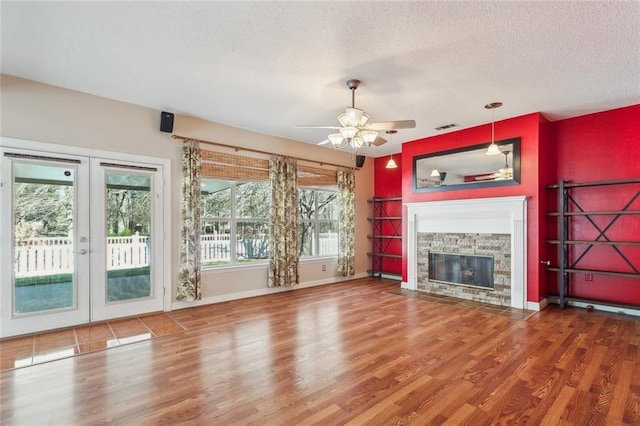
[(468, 167)]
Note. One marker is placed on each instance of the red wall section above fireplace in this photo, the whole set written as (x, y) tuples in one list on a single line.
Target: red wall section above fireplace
[(527, 128)]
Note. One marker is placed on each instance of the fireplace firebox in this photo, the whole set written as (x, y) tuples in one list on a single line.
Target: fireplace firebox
[(462, 269)]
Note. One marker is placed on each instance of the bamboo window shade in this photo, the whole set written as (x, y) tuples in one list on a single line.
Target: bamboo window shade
[(218, 165), (233, 167)]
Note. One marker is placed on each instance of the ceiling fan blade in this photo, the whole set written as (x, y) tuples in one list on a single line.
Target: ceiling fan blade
[(392, 125), (379, 141), (324, 142), (312, 126)]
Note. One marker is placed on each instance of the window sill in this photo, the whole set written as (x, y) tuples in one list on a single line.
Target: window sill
[(265, 265), (319, 259), (224, 268)]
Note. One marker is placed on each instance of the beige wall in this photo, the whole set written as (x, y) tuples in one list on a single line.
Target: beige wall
[(41, 113)]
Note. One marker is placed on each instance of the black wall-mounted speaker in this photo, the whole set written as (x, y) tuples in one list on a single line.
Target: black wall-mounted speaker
[(360, 160), (166, 122)]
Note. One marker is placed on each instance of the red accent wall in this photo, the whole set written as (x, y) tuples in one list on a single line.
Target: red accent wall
[(594, 147), (388, 184), (601, 147), (528, 128)]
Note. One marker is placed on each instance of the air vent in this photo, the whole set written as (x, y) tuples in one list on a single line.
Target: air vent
[(447, 126)]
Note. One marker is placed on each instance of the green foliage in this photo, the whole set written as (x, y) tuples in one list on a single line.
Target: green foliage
[(42, 209), (43, 279), (65, 278)]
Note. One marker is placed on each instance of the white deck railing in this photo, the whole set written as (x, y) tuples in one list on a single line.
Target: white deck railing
[(48, 256)]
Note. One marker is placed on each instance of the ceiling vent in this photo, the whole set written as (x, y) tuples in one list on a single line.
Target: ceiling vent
[(447, 126)]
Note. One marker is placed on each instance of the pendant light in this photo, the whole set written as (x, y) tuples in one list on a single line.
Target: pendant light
[(391, 164), (493, 148)]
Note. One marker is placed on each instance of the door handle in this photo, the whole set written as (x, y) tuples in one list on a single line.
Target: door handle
[(82, 251)]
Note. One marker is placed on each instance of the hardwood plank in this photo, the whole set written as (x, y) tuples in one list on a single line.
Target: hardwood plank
[(357, 352)]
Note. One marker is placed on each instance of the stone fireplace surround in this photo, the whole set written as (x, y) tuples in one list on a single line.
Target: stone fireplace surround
[(500, 215)]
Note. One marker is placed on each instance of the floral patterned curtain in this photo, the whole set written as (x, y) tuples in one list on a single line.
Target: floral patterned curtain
[(346, 226), (189, 275), (283, 256)]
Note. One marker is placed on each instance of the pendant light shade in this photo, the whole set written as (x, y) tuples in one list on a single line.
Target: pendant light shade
[(335, 139), (369, 136), (348, 132), (391, 164), (493, 148)]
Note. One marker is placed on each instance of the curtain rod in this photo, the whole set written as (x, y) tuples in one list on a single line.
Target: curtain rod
[(238, 148)]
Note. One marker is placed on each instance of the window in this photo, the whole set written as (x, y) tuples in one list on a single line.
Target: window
[(235, 210), (318, 233), (235, 222)]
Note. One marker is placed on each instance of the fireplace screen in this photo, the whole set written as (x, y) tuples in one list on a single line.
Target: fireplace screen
[(461, 269)]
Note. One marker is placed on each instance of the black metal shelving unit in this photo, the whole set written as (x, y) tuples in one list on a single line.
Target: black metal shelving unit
[(568, 209), (382, 242)]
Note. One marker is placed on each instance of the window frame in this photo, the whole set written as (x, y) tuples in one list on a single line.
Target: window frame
[(233, 220)]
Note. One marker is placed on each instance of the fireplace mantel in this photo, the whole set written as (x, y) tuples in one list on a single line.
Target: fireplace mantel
[(505, 215)]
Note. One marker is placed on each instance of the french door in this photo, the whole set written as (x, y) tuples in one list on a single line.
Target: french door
[(81, 240)]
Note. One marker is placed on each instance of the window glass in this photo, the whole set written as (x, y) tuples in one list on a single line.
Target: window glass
[(252, 241), (327, 205), (327, 238), (235, 222), (253, 199), (215, 198), (318, 230), (305, 236)]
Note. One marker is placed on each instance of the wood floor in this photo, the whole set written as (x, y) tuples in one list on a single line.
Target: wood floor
[(359, 352)]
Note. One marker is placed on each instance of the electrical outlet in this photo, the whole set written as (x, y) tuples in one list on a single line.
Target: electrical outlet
[(588, 277), (324, 268)]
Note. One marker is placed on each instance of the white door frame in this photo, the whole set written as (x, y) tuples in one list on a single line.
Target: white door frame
[(100, 308), (165, 270), (78, 312)]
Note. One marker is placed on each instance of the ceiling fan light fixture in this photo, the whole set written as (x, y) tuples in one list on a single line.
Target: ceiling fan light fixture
[(335, 139), (353, 117), (355, 129), (348, 132), (506, 172), (357, 142), (369, 136)]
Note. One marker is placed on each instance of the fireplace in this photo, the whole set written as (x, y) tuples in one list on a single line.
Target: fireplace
[(493, 230), (461, 269)]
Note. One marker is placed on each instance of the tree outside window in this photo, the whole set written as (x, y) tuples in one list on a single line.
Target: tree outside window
[(318, 214), (235, 222)]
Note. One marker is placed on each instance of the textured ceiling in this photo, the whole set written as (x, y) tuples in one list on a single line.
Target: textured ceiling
[(267, 66)]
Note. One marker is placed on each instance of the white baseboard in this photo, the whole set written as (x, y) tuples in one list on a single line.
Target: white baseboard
[(405, 285), (537, 306), (600, 307), (261, 292)]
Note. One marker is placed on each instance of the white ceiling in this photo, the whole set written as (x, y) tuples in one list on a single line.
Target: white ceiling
[(267, 66)]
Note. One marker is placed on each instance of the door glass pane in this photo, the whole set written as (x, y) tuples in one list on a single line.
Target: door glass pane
[(44, 205), (128, 233)]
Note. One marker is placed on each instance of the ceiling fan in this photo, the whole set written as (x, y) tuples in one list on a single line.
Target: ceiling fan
[(355, 131), (503, 173)]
